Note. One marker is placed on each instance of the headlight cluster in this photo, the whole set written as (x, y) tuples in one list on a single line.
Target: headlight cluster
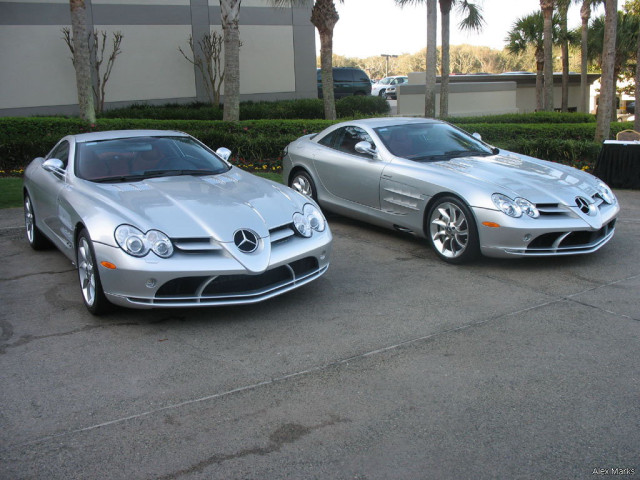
[(515, 208), (606, 193), (138, 244), (309, 220)]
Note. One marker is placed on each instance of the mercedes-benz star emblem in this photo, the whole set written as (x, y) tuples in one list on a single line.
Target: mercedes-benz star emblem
[(246, 240), (583, 205)]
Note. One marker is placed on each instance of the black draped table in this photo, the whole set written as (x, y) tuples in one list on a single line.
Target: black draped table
[(618, 164)]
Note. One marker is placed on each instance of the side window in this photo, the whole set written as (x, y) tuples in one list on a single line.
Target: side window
[(61, 151), (329, 140), (360, 76), (347, 138), (342, 75)]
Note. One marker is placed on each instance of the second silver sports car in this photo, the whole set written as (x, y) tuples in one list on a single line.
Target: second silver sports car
[(156, 219), (433, 180)]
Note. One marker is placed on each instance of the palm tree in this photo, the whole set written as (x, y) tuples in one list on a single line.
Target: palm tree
[(431, 53), (528, 31), (324, 17), (473, 21), (585, 15), (563, 9), (547, 12), (82, 60), (625, 50), (230, 15), (607, 82)]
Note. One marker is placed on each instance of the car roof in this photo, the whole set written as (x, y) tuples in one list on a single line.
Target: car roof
[(389, 121), (116, 134)]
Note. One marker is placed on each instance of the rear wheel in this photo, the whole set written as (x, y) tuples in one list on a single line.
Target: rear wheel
[(89, 276), (35, 237), (452, 230), (302, 183)]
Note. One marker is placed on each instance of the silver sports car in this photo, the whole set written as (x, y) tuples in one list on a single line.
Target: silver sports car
[(433, 180), (156, 219)]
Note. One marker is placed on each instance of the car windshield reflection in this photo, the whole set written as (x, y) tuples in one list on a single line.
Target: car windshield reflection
[(139, 158), (430, 142)]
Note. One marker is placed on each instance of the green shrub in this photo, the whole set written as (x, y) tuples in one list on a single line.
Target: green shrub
[(530, 118), (306, 108), (259, 143)]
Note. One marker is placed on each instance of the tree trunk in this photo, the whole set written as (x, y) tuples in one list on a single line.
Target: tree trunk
[(565, 58), (603, 126), (432, 59), (445, 10), (324, 17), (636, 121), (539, 79), (230, 14), (585, 13), (547, 12), (82, 60)]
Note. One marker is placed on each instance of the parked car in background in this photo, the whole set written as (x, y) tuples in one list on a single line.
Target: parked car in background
[(387, 86), (156, 219), (347, 81), (435, 181)]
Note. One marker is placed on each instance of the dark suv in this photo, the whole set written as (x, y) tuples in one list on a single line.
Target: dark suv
[(347, 81)]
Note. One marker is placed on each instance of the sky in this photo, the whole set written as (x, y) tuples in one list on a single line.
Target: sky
[(373, 27)]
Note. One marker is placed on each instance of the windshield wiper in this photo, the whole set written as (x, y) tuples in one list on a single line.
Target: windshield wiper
[(120, 178), (466, 153), (172, 173)]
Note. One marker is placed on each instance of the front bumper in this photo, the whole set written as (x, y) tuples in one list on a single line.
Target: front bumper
[(211, 278), (541, 237)]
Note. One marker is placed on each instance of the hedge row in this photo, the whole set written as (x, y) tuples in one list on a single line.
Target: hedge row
[(309, 108), (259, 143)]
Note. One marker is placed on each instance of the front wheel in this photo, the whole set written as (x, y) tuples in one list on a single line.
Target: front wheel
[(89, 276), (452, 231), (302, 183), (36, 238)]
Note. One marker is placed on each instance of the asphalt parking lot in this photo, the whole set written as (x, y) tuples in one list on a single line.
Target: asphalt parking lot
[(394, 365)]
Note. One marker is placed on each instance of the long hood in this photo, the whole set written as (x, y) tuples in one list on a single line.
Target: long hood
[(518, 175), (213, 206)]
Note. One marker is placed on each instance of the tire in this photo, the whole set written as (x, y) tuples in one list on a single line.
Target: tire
[(302, 183), (89, 276), (35, 237), (382, 93), (452, 230)]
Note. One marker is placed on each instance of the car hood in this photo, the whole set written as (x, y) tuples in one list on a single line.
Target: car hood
[(212, 206), (520, 176)]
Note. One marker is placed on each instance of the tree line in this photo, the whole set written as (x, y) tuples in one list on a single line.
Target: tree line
[(532, 36)]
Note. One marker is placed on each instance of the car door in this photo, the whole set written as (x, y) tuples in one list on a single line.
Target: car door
[(46, 193), (342, 82), (345, 173)]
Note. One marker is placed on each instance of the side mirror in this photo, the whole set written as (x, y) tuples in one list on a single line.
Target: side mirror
[(224, 153), (54, 165), (366, 148)]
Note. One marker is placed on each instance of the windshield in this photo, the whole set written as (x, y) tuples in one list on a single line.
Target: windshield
[(430, 142), (137, 158)]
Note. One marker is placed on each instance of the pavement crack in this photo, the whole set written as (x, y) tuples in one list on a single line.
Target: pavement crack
[(286, 434)]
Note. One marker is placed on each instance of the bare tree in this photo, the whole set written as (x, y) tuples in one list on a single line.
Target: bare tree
[(603, 125), (82, 60), (209, 64), (230, 14), (96, 53)]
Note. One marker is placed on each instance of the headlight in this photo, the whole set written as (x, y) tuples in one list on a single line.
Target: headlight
[(309, 220), (138, 244), (515, 208), (506, 205), (527, 207), (606, 193)]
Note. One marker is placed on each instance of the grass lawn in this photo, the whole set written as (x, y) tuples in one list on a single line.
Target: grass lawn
[(11, 188), (10, 192)]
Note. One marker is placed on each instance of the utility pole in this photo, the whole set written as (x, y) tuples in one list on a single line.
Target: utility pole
[(387, 56)]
